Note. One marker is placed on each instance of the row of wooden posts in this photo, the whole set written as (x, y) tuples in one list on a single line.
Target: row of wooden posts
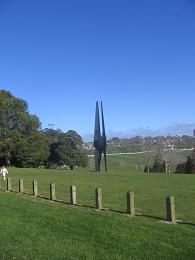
[(170, 203)]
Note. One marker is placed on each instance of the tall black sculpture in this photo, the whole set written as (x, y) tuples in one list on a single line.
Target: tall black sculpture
[(99, 139)]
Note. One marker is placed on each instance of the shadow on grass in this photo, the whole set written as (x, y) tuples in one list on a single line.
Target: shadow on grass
[(84, 206), (117, 211), (186, 223), (148, 216), (56, 200)]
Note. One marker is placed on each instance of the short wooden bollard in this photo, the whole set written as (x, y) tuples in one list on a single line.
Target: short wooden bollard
[(52, 191), (9, 184), (73, 198), (98, 196), (130, 203), (170, 207), (21, 186), (35, 188)]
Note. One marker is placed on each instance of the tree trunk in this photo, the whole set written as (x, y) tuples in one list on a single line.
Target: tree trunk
[(166, 166), (169, 169)]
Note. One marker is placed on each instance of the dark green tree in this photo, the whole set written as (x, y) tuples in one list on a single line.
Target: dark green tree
[(180, 168), (52, 135), (21, 142), (189, 165), (68, 151), (162, 167), (72, 138), (33, 151), (156, 166)]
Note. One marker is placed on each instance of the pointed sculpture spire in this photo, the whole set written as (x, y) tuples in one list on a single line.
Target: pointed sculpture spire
[(99, 140), (104, 138)]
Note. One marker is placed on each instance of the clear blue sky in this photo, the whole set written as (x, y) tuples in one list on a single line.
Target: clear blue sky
[(137, 56)]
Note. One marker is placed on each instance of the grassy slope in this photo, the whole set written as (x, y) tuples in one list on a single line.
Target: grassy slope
[(35, 228)]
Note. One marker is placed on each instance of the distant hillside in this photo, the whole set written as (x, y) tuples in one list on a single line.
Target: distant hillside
[(140, 144)]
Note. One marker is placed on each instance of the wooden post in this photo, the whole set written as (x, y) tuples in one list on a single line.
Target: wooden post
[(166, 166), (130, 203), (98, 195), (9, 184), (21, 186), (35, 188), (170, 207), (52, 191), (73, 195)]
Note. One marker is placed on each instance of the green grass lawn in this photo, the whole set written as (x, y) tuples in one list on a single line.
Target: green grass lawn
[(36, 228)]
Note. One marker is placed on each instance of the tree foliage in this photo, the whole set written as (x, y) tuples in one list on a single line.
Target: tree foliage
[(52, 135), (68, 151), (187, 167), (159, 165), (21, 143)]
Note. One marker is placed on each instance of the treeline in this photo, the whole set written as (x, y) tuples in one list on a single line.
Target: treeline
[(162, 163), (24, 144)]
